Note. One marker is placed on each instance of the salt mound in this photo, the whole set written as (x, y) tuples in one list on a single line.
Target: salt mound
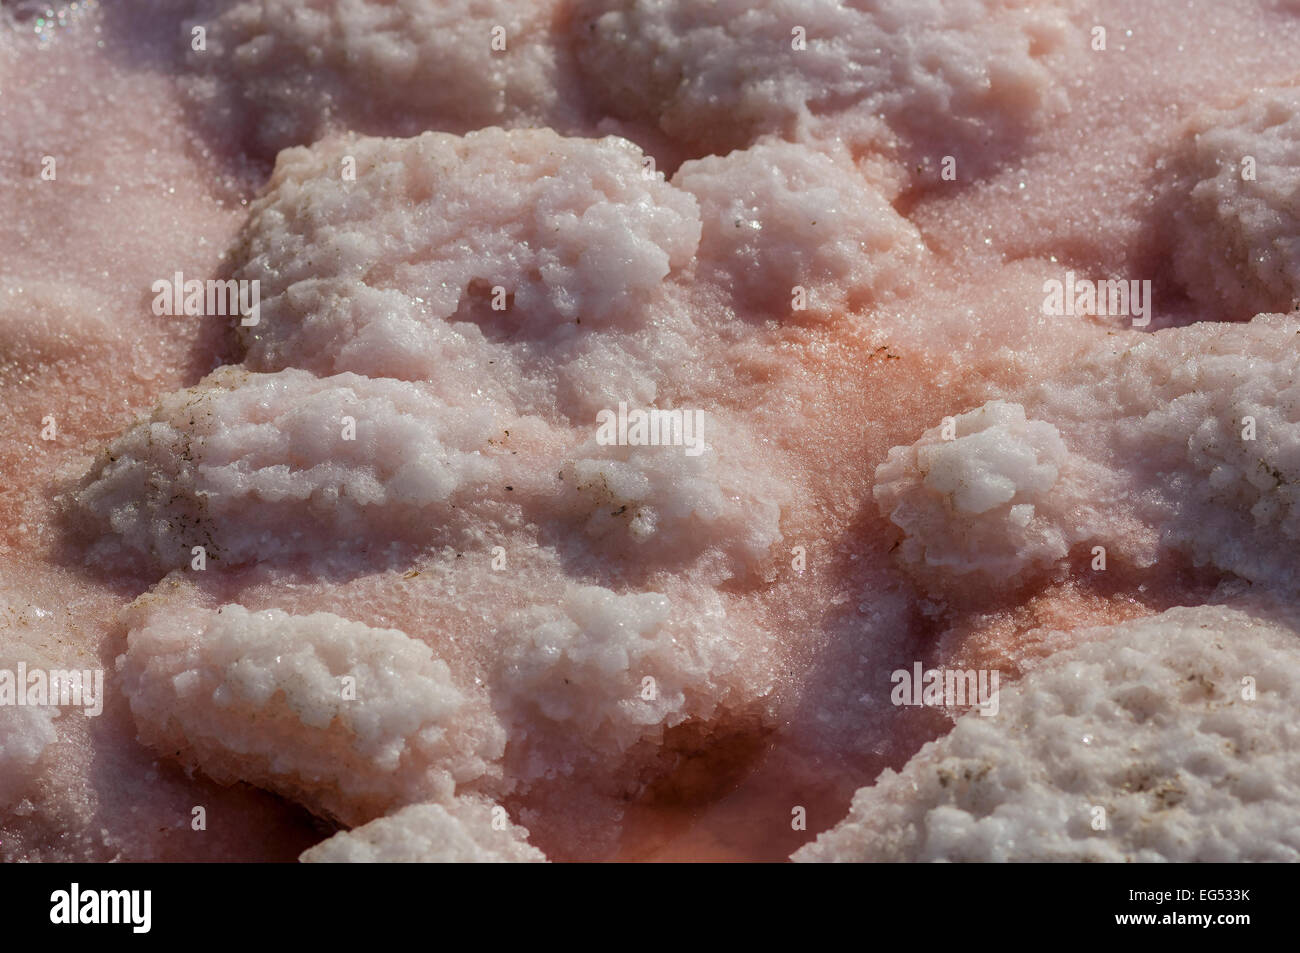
[(995, 498), (778, 215), (1236, 224), (1184, 441), (716, 76), (292, 69), (663, 504), (1153, 724), (392, 275), (606, 670), (466, 831), (260, 466), (1201, 427), (348, 720)]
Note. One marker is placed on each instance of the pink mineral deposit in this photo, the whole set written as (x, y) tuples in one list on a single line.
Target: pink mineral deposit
[(589, 430)]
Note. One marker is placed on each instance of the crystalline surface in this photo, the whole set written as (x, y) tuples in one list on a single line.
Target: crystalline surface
[(439, 599), (1154, 724)]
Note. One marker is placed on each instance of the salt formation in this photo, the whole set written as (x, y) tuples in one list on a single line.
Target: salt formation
[(650, 672), (1201, 427), (25, 733), (718, 75), (996, 498), (464, 832), (393, 274), (258, 466), (665, 505), (776, 216), (1236, 236), (1176, 734), (291, 69), (611, 670), (349, 720), (1184, 442)]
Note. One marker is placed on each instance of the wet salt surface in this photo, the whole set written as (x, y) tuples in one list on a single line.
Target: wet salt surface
[(619, 650)]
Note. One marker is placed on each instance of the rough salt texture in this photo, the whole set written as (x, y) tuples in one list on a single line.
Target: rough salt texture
[(717, 75), (490, 699), (611, 670), (393, 274), (258, 466), (462, 832), (25, 732), (661, 503), (776, 216), (290, 70), (264, 467), (1149, 723), (810, 407), (1186, 441), (1169, 416), (260, 697), (1236, 235), (1001, 498)]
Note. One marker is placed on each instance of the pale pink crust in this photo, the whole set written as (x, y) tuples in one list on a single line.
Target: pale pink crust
[(394, 273), (1183, 443), (1176, 732), (1201, 428), (466, 831), (763, 585), (291, 70), (719, 75), (1235, 244), (349, 720), (263, 466), (779, 217)]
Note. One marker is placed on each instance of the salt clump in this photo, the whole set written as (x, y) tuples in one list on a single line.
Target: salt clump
[(261, 697), (1237, 227), (291, 69), (461, 832), (1200, 427), (581, 667), (778, 215), (718, 75), (256, 466), (392, 275), (1151, 723), (1001, 500)]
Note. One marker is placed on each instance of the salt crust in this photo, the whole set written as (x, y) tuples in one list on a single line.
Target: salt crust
[(392, 275), (1236, 227), (589, 680), (262, 697), (260, 466), (1001, 498), (291, 69), (1185, 440), (611, 670), (719, 75), (462, 832), (25, 733), (1146, 720), (778, 215)]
